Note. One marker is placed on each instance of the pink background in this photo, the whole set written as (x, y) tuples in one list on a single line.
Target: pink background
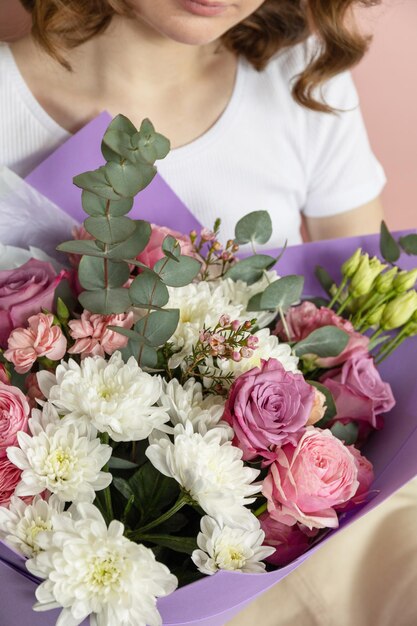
[(387, 83)]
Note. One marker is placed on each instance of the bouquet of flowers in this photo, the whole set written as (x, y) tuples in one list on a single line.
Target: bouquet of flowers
[(170, 409)]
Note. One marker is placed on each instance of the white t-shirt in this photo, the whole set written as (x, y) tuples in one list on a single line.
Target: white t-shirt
[(264, 152)]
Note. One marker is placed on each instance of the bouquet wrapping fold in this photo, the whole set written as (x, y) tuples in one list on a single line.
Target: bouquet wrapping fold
[(214, 600)]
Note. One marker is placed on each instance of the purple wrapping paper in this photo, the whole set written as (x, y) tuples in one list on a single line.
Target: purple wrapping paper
[(214, 600)]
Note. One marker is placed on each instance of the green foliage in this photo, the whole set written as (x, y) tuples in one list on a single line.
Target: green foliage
[(280, 294), (153, 492), (177, 272), (95, 273), (171, 248), (409, 244), (251, 270), (256, 227), (96, 205), (324, 278), (158, 326), (109, 229), (106, 301), (390, 249), (348, 433), (323, 342), (134, 244), (147, 291), (186, 545)]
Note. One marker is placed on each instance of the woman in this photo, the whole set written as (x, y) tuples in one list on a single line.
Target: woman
[(241, 89)]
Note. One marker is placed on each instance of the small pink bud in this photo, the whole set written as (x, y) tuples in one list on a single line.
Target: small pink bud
[(246, 353), (236, 356), (224, 320), (235, 325), (207, 234), (252, 342)]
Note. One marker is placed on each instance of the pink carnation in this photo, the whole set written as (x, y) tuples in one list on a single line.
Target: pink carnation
[(42, 338), (267, 407), (290, 541), (359, 393), (306, 317), (153, 251), (306, 481), (9, 479), (93, 337), (14, 415), (24, 292)]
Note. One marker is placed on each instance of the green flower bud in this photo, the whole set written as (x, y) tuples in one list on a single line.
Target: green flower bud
[(399, 311), (384, 282), (405, 281), (411, 326), (374, 318), (350, 266), (365, 275)]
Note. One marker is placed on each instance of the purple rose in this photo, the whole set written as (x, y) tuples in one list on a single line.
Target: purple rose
[(267, 407), (359, 393), (25, 291)]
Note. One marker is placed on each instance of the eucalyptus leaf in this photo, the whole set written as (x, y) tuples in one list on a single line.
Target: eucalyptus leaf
[(282, 293), (147, 357), (324, 278), (120, 145), (96, 206), (158, 326), (323, 342), (106, 301), (153, 491), (122, 124), (251, 270), (330, 404), (255, 227), (123, 464), (390, 249), (134, 245), (348, 433), (127, 179), (130, 334), (97, 182), (92, 273), (147, 290), (81, 246), (109, 229), (179, 272), (409, 244), (171, 248)]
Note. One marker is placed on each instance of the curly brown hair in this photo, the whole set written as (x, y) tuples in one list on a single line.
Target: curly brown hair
[(277, 24)]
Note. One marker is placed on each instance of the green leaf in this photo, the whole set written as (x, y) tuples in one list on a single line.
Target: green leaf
[(324, 278), (390, 249), (96, 206), (106, 301), (92, 273), (147, 357), (62, 310), (323, 342), (282, 293), (130, 334), (110, 229), (330, 404), (255, 227), (123, 124), (151, 145), (348, 433), (159, 326), (122, 486), (186, 545), (171, 248), (81, 246), (128, 178), (409, 244), (120, 145), (133, 246), (123, 464), (148, 290), (98, 183), (251, 270), (179, 272), (153, 491)]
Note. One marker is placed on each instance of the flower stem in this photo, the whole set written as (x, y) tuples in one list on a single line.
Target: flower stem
[(105, 439), (338, 293), (139, 532), (261, 509), (284, 323)]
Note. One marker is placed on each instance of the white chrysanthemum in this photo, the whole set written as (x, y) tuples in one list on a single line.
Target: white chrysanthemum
[(186, 403), (115, 397), (21, 523), (94, 570), (211, 471), (200, 305), (234, 549), (240, 293), (268, 348), (62, 461), (40, 419)]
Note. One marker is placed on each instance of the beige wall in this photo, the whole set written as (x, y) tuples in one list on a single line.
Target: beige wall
[(387, 82)]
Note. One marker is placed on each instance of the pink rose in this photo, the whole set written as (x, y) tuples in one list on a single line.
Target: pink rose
[(359, 393), (153, 251), (267, 406), (365, 478), (290, 541), (24, 292), (9, 479), (306, 481), (93, 336), (14, 415), (42, 338), (306, 317)]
